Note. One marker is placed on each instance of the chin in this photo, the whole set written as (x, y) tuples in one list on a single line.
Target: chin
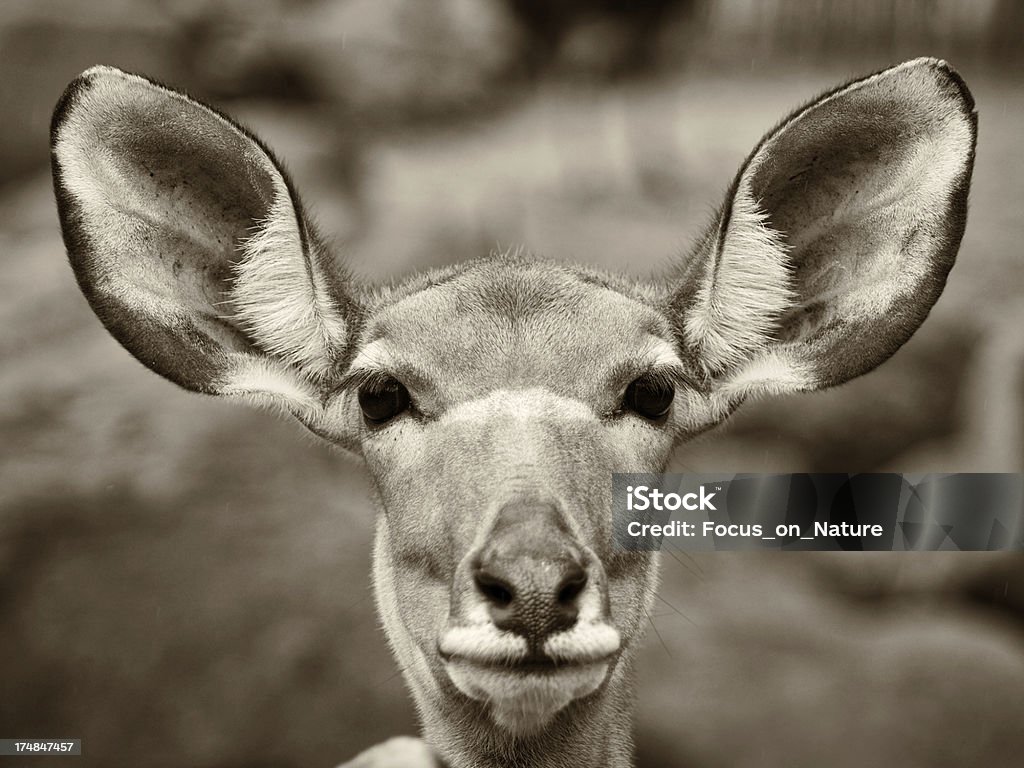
[(524, 699)]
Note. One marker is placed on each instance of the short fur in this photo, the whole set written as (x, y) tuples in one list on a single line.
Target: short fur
[(834, 242)]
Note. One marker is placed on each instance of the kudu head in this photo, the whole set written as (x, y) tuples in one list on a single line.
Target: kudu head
[(492, 400)]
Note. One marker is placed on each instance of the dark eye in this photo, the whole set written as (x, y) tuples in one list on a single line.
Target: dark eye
[(382, 401), (649, 397)]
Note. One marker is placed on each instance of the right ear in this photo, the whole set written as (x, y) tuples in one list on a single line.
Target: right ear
[(836, 237), (191, 247)]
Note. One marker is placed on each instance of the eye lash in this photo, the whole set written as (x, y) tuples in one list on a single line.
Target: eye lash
[(667, 376), (681, 376), (362, 376), (664, 374)]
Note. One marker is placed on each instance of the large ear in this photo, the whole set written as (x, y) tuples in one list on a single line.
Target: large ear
[(190, 245), (836, 236)]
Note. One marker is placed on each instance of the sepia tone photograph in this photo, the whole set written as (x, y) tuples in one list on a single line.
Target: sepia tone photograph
[(327, 327)]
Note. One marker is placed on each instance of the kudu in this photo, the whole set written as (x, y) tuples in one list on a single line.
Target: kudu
[(492, 400)]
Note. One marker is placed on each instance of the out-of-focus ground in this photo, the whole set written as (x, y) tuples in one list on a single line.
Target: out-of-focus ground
[(184, 581)]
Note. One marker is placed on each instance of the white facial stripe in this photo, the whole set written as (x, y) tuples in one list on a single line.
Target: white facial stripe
[(522, 405)]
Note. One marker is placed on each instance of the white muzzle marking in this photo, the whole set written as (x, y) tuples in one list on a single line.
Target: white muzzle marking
[(523, 702)]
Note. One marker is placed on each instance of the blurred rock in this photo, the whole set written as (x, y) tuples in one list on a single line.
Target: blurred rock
[(383, 60), (599, 39)]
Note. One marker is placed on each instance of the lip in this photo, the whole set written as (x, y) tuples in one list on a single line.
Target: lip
[(488, 648), (540, 672), (534, 665), (525, 696)]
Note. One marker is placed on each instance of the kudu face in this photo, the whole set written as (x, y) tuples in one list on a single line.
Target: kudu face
[(494, 554), (491, 401)]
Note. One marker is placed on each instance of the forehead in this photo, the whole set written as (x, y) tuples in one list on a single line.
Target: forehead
[(509, 323)]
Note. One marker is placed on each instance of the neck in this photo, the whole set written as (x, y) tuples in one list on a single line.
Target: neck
[(595, 731)]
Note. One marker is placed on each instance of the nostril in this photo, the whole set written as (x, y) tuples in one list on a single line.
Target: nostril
[(572, 585), (497, 591), (570, 590)]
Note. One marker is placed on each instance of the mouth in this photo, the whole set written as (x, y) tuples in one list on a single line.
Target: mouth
[(525, 689), (525, 696)]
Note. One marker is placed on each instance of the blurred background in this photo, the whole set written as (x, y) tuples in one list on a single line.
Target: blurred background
[(185, 581)]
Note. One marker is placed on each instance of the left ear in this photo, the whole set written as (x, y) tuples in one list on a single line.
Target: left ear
[(191, 246), (836, 237)]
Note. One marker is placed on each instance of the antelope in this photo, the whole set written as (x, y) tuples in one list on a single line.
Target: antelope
[(492, 400)]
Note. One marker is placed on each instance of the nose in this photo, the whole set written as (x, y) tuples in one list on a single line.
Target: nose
[(530, 573)]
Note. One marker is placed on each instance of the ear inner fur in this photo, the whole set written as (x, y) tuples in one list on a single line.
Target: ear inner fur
[(838, 232), (187, 238)]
